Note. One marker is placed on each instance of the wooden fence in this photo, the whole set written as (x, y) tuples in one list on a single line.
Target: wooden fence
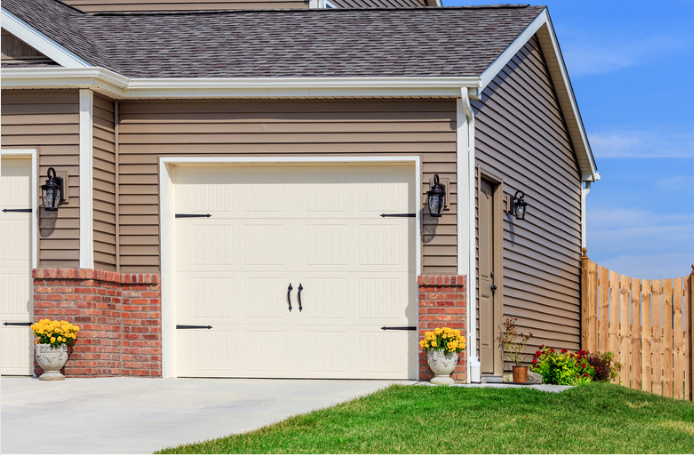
[(647, 324)]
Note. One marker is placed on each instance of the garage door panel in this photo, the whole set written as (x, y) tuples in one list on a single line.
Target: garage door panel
[(207, 353), (15, 283), (318, 228)]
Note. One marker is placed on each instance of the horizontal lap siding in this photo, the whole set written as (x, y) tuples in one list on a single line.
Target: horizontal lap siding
[(15, 50), (48, 120), (104, 185), (95, 6), (149, 129), (522, 138)]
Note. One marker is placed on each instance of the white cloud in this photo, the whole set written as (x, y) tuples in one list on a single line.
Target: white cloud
[(642, 144)]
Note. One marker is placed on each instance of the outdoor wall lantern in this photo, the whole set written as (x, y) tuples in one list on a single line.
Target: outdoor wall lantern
[(52, 192), (436, 199), (519, 205)]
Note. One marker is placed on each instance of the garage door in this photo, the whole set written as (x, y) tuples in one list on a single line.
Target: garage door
[(16, 285), (295, 271)]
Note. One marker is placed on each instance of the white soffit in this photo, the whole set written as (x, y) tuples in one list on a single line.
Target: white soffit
[(41, 42), (542, 27)]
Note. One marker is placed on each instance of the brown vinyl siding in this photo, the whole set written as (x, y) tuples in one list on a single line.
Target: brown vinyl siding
[(378, 3), (17, 52), (98, 6), (521, 137), (48, 120), (149, 129), (104, 185)]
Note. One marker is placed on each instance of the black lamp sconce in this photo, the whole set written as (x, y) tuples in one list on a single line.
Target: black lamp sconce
[(518, 205), (436, 197), (53, 191)]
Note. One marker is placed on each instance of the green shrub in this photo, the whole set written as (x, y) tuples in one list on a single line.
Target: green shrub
[(603, 366), (565, 368)]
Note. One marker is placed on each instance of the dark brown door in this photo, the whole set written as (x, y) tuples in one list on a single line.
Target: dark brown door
[(486, 280)]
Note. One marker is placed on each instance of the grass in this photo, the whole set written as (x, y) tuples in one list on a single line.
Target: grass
[(595, 418)]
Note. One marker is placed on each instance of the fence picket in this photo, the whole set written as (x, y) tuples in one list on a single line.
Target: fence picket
[(613, 331), (604, 305), (678, 338), (593, 309), (690, 335), (646, 335), (624, 330), (657, 352), (667, 335), (635, 340)]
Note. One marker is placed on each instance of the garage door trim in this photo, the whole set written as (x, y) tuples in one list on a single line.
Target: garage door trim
[(166, 204)]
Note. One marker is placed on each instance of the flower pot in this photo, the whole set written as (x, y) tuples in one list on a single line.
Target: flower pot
[(51, 361), (520, 374), (442, 366)]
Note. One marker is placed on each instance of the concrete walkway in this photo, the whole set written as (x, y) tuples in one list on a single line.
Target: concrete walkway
[(138, 415)]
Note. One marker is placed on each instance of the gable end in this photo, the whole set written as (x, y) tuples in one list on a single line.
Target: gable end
[(16, 53)]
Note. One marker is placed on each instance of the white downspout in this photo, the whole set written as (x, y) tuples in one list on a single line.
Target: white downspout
[(584, 230), (473, 361)]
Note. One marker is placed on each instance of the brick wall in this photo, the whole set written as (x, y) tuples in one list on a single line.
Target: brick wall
[(119, 316), (442, 302)]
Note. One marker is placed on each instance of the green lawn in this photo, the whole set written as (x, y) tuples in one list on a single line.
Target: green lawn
[(596, 418)]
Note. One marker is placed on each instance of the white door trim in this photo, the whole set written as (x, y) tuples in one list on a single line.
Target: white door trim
[(166, 214), (33, 155)]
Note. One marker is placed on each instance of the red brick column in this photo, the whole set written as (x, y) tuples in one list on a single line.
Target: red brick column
[(119, 316), (442, 302)]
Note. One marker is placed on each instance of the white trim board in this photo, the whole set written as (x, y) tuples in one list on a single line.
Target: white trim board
[(41, 42), (33, 155), (86, 179), (168, 254)]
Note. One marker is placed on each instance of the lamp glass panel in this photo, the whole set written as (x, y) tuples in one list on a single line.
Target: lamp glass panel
[(520, 211), (435, 204)]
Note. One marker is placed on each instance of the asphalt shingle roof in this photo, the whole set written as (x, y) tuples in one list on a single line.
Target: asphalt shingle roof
[(417, 42)]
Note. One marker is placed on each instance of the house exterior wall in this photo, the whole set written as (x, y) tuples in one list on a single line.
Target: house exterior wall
[(104, 184), (17, 52), (97, 6), (150, 129), (48, 120), (522, 138)]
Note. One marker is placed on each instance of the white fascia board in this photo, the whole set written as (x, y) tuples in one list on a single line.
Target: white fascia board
[(41, 42), (118, 86), (490, 73)]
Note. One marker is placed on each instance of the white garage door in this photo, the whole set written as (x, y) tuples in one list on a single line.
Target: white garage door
[(16, 285), (317, 229)]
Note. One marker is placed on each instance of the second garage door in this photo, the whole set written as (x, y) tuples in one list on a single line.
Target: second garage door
[(307, 237)]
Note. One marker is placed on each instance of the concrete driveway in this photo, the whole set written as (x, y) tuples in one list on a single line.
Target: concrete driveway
[(143, 415)]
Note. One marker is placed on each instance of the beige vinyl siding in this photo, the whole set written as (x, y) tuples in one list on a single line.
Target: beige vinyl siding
[(521, 137), (104, 185), (96, 6), (16, 51), (48, 120), (149, 129), (378, 3)]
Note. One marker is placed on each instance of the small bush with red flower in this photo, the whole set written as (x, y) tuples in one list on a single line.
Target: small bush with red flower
[(563, 368), (604, 366)]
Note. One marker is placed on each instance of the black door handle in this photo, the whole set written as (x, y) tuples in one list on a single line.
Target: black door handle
[(289, 296), (299, 297)]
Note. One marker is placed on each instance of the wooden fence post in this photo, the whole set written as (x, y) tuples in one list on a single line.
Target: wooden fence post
[(690, 332)]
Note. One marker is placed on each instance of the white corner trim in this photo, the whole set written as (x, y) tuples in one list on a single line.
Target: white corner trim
[(33, 155), (584, 221), (41, 42), (490, 73), (167, 229), (316, 4), (118, 86), (86, 179)]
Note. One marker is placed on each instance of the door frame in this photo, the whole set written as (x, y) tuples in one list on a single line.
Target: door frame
[(167, 235), (498, 256), (32, 155)]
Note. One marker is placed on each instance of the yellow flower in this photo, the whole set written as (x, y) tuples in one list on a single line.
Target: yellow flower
[(52, 339), (438, 331), (433, 344)]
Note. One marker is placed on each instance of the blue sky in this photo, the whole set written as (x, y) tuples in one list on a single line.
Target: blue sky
[(631, 64)]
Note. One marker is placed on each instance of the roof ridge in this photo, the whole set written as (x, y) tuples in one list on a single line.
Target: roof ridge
[(306, 10)]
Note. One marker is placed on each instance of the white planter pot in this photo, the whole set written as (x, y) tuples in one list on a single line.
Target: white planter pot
[(442, 366), (51, 361)]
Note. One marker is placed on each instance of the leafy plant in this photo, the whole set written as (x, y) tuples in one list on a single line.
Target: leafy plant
[(514, 343), (604, 367), (446, 339), (564, 368), (54, 333)]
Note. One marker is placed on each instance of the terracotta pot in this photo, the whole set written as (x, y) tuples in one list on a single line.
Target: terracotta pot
[(520, 374), (442, 366), (51, 361)]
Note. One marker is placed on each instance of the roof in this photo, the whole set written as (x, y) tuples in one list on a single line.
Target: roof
[(370, 42)]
